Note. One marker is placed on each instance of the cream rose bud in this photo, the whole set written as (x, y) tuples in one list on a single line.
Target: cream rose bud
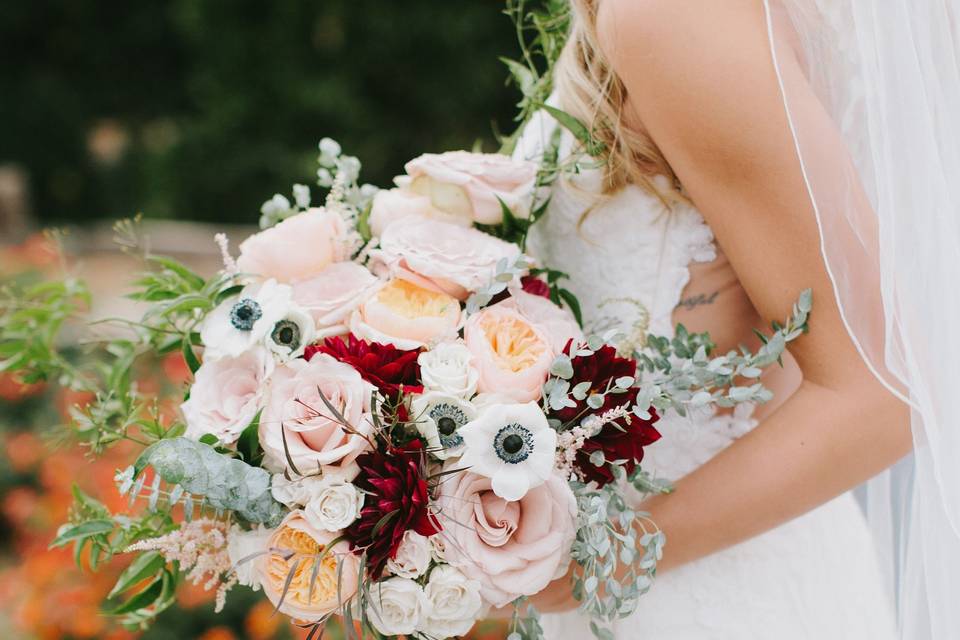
[(512, 354), (298, 248), (392, 205), (462, 183), (243, 548), (447, 257), (333, 294), (455, 603), (396, 606), (438, 417), (333, 505), (413, 556), (243, 321), (226, 395), (406, 315), (448, 367)]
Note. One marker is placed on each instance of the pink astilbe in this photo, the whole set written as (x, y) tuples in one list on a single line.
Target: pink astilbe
[(199, 546)]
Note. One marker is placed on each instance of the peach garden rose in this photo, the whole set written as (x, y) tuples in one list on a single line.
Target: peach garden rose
[(406, 315), (304, 601)]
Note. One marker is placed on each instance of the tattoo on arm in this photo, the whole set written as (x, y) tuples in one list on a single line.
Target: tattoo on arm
[(699, 300)]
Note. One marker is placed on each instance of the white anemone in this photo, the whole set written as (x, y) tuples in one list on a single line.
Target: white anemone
[(513, 445), (439, 417)]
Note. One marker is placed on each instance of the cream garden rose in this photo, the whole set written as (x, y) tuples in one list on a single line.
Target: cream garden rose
[(472, 185), (297, 248), (313, 436), (294, 546), (392, 205), (406, 315)]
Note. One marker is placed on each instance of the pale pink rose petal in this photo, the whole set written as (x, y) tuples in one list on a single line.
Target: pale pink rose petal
[(297, 248)]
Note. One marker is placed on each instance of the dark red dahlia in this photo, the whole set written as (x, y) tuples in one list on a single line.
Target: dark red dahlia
[(535, 286), (396, 501), (389, 369), (601, 370), (621, 440)]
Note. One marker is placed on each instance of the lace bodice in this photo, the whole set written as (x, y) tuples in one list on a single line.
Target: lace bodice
[(628, 259)]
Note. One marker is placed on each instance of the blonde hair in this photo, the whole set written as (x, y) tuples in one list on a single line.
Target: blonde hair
[(591, 91)]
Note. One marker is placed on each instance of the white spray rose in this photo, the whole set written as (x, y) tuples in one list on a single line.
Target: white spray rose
[(413, 556), (397, 605), (242, 547), (333, 505), (447, 368), (455, 603)]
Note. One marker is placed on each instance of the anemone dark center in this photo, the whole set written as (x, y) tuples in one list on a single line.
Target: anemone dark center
[(287, 334), (512, 443), (446, 425), (244, 314)]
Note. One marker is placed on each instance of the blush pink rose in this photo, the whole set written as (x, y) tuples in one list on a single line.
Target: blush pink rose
[(392, 205), (447, 257), (512, 549), (466, 184), (512, 354), (298, 248), (226, 395), (406, 315), (315, 438), (333, 294), (294, 546)]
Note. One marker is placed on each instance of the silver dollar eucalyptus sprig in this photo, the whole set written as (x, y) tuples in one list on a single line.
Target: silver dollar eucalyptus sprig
[(224, 483)]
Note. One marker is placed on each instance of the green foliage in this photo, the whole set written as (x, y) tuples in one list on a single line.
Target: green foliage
[(725, 380), (97, 536), (224, 483)]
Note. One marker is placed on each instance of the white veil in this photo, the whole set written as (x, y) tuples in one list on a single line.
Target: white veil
[(887, 72)]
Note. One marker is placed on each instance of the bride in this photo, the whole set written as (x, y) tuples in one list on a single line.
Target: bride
[(714, 207)]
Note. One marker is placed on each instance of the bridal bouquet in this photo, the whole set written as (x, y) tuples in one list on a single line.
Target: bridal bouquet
[(394, 416)]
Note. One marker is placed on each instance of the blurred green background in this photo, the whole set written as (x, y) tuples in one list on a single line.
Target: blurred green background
[(202, 109)]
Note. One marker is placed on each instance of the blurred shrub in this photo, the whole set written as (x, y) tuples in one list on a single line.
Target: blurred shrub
[(202, 109)]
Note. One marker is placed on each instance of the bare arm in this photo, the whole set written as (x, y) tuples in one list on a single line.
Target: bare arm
[(701, 81)]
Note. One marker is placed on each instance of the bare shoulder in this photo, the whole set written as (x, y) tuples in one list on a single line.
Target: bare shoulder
[(698, 74)]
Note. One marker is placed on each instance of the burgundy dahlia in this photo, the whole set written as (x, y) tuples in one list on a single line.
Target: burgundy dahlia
[(397, 501), (389, 369), (601, 370), (621, 440)]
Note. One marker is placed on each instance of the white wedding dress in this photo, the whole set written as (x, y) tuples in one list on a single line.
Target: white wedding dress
[(816, 577)]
